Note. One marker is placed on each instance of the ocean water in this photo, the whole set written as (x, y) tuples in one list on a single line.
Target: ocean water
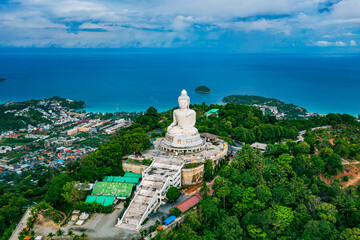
[(136, 80)]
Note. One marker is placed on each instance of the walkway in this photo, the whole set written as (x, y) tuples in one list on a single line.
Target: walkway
[(300, 138), (21, 225)]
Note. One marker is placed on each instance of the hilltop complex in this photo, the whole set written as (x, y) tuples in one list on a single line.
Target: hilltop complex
[(182, 145)]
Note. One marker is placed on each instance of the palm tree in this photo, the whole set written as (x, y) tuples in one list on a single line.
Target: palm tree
[(76, 237), (59, 233), (83, 236), (204, 190), (22, 234), (50, 236), (70, 233)]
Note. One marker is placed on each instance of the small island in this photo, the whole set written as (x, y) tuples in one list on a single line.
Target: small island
[(3, 79), (203, 89)]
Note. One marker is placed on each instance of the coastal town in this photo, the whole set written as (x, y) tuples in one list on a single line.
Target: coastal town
[(61, 135)]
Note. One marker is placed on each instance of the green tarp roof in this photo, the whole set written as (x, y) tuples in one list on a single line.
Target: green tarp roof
[(100, 199), (113, 189), (90, 199), (129, 180), (109, 201), (103, 200), (124, 179), (108, 179), (130, 174), (212, 111)]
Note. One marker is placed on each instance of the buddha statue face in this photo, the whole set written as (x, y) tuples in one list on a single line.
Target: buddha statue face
[(184, 100), (183, 104)]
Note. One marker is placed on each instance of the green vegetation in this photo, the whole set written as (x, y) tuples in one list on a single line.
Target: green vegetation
[(175, 211), (192, 165), (242, 123), (144, 161), (344, 140), (92, 141), (31, 186), (93, 207), (292, 111), (70, 104), (203, 89), (277, 196), (47, 211), (172, 194), (208, 170)]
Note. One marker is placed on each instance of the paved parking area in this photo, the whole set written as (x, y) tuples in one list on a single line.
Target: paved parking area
[(98, 227)]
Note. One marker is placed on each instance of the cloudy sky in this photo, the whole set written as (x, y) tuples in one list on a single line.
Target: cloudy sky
[(241, 25)]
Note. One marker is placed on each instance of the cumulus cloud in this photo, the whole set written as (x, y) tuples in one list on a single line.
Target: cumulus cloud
[(172, 23), (323, 43), (336, 43), (340, 44)]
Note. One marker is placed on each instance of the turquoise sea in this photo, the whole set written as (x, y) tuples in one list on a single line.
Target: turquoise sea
[(135, 80)]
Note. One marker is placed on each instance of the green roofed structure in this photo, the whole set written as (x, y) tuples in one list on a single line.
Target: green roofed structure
[(109, 201), (134, 180), (108, 179), (103, 200), (120, 190), (212, 111), (91, 198), (129, 180), (130, 174)]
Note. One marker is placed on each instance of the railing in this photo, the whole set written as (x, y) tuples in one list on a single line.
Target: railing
[(145, 214), (215, 156), (145, 172), (126, 211), (166, 183)]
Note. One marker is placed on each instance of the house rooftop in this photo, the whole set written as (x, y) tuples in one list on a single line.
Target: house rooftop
[(189, 203)]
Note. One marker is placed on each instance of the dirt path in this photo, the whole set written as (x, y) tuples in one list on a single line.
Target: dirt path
[(352, 181), (191, 189), (351, 163)]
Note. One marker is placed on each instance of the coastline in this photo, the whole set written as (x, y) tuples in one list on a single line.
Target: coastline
[(102, 108), (136, 82)]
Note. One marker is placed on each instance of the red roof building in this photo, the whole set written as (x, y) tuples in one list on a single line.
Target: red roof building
[(189, 203)]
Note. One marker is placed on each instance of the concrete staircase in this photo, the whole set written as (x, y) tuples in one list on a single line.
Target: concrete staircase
[(157, 178)]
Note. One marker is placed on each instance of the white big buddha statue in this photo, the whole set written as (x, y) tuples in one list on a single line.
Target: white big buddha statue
[(184, 118), (182, 136)]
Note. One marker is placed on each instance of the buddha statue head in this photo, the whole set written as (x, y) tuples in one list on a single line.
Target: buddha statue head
[(184, 100)]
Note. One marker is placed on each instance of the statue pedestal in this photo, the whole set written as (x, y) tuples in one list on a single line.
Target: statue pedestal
[(182, 143)]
